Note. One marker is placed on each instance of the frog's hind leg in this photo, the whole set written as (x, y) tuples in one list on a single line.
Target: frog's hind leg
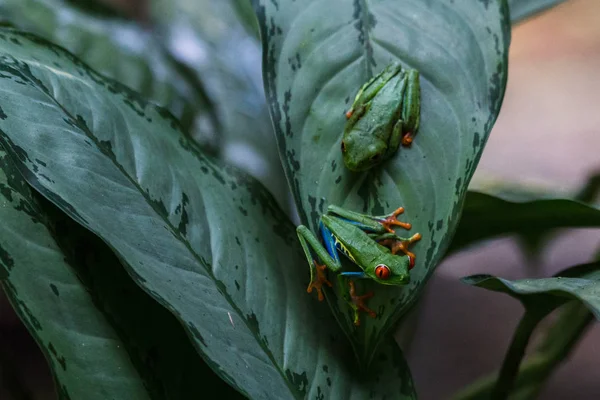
[(396, 138), (368, 90), (387, 221), (370, 223), (364, 222), (411, 107), (356, 302)]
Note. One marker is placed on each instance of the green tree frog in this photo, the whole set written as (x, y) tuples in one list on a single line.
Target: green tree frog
[(385, 113), (363, 240)]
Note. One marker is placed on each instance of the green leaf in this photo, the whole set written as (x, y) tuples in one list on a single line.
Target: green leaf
[(203, 239), (521, 9), (209, 38), (581, 283), (97, 7), (316, 54), (90, 319), (485, 216), (590, 191), (126, 52), (539, 297), (246, 15), (556, 345), (45, 291), (533, 241)]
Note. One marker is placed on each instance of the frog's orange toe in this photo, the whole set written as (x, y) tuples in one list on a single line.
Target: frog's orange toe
[(392, 220), (319, 281), (407, 139), (359, 303), (402, 245)]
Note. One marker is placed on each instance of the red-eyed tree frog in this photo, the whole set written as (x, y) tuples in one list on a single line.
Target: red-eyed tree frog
[(385, 113), (363, 240)]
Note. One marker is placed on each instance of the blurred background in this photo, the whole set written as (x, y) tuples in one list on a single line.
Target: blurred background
[(547, 137)]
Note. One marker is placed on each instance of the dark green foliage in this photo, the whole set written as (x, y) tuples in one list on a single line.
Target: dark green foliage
[(147, 268)]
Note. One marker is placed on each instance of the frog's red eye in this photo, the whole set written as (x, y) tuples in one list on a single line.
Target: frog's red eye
[(343, 147), (382, 271)]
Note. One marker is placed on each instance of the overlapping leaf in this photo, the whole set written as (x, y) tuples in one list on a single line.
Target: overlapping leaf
[(557, 342), (204, 240), (124, 51), (485, 216), (540, 297), (316, 54), (581, 283), (77, 340)]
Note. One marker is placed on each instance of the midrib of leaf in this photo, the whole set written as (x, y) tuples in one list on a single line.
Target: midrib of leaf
[(361, 14), (175, 232)]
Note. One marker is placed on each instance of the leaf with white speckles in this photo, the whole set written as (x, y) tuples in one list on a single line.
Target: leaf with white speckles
[(316, 54), (203, 239), (46, 292), (125, 51)]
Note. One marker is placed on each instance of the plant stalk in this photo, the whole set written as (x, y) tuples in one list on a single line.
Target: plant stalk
[(559, 341), (516, 351)]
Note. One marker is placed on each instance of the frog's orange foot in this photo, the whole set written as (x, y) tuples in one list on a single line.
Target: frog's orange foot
[(319, 280), (358, 303), (407, 139), (402, 245), (349, 113), (392, 220)]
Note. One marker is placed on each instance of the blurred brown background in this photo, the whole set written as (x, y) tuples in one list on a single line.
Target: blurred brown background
[(548, 134)]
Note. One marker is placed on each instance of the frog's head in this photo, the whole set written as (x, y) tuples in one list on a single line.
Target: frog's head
[(391, 270), (361, 155)]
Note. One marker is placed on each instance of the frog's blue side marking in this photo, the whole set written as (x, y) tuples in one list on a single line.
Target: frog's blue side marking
[(332, 244)]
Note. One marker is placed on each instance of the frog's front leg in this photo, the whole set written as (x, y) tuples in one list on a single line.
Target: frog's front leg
[(396, 244), (411, 107), (317, 271)]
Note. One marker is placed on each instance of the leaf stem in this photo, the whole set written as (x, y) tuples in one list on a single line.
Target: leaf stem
[(516, 351), (560, 339), (558, 342)]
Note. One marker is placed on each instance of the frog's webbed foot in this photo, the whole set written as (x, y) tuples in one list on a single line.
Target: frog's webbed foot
[(318, 280), (392, 220), (396, 245), (358, 303), (407, 139)]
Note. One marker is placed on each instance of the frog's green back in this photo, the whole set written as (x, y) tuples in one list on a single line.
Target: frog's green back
[(365, 252), (365, 141)]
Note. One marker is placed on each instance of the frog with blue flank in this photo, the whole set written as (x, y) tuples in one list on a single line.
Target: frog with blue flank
[(370, 242)]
